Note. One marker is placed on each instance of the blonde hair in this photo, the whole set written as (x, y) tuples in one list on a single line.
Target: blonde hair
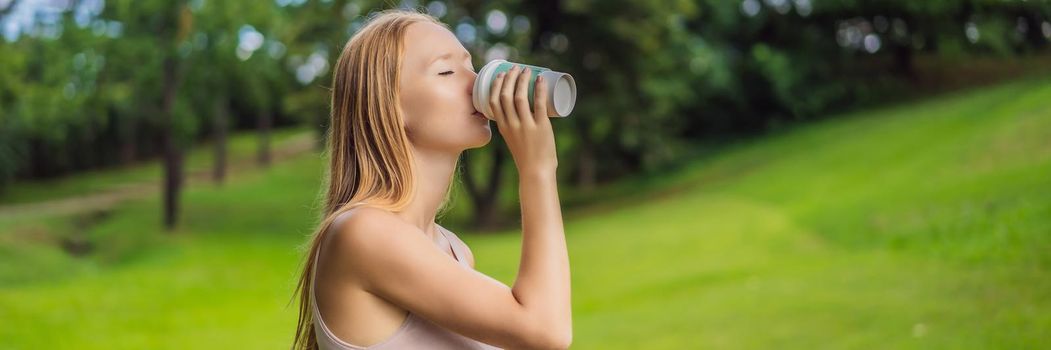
[(370, 158)]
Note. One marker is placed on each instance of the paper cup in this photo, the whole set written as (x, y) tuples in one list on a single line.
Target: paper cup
[(560, 86)]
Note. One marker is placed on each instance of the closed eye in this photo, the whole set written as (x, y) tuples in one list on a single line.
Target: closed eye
[(446, 73)]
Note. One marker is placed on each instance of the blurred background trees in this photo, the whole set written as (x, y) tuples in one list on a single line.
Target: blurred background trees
[(93, 84)]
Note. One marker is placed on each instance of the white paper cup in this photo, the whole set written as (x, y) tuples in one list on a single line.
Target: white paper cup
[(560, 86)]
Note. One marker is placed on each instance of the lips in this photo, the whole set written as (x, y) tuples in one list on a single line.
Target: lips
[(479, 115)]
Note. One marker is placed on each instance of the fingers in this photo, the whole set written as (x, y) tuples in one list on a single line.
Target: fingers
[(540, 111), (507, 97), (494, 99), (522, 97)]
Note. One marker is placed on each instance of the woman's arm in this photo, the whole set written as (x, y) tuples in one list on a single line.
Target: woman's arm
[(543, 274), (396, 261), (543, 279)]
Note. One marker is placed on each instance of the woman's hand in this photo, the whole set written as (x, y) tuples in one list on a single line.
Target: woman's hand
[(527, 133)]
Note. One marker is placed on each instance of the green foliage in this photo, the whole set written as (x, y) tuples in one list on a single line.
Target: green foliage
[(654, 76)]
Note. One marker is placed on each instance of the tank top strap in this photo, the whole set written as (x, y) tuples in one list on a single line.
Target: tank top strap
[(457, 248)]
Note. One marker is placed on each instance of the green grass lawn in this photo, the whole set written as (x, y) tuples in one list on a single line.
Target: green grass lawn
[(925, 225), (240, 147)]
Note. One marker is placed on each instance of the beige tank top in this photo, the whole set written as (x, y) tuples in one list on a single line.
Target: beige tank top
[(416, 332)]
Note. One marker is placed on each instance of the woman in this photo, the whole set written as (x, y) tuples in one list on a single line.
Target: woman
[(380, 273)]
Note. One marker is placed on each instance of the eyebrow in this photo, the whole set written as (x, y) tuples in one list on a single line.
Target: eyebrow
[(466, 54)]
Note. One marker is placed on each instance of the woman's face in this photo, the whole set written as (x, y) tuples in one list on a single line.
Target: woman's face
[(437, 77)]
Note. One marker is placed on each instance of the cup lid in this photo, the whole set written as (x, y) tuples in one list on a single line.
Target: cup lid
[(565, 95)]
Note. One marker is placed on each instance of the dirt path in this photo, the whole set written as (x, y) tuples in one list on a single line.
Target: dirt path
[(110, 197)]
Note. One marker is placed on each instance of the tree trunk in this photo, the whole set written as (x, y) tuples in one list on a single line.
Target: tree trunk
[(903, 61), (173, 157), (548, 17), (586, 167), (486, 216), (172, 152), (485, 206), (128, 144), (221, 123), (265, 122)]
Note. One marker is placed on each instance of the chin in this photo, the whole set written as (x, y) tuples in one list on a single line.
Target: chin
[(479, 142)]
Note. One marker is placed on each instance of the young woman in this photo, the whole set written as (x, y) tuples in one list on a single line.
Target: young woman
[(380, 273)]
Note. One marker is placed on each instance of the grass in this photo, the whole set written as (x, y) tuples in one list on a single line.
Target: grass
[(239, 147), (922, 225)]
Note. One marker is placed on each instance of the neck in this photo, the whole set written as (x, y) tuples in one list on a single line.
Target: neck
[(434, 174)]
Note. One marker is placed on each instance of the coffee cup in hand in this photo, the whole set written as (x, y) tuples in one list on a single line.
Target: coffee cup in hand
[(561, 88)]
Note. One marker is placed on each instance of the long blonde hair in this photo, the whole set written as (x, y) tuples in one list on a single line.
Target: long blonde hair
[(370, 158)]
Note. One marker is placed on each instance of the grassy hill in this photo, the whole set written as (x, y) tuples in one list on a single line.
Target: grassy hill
[(923, 225)]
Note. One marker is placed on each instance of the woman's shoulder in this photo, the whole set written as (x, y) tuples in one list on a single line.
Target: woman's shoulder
[(363, 216), (368, 228)]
